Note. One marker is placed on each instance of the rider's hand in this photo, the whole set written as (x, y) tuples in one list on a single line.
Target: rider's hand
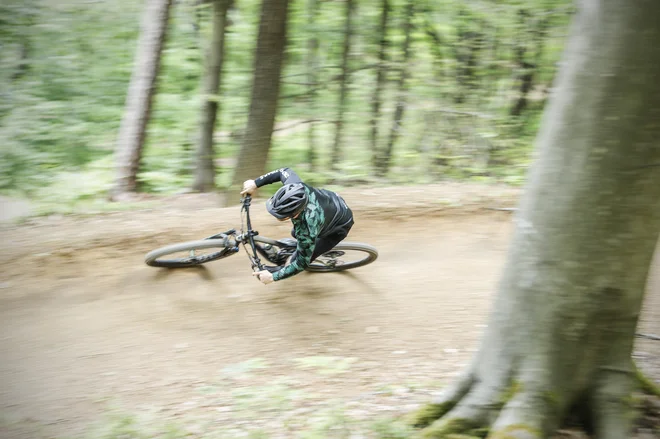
[(264, 276), (249, 186)]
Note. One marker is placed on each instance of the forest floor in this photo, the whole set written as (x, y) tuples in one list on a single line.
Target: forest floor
[(96, 344)]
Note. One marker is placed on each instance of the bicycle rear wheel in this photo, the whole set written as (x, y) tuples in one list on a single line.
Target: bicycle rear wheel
[(344, 256), (189, 254)]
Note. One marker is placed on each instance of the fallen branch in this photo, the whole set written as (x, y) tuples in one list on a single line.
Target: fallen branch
[(649, 336), (300, 122)]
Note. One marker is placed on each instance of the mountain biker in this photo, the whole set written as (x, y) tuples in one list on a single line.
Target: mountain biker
[(321, 219)]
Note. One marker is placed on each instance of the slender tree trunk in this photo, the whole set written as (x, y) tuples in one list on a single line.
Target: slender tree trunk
[(24, 59), (462, 49), (561, 332), (312, 77), (205, 169), (345, 81), (466, 51), (132, 131), (380, 80), (197, 6), (265, 92), (437, 42), (22, 17), (528, 70), (402, 90)]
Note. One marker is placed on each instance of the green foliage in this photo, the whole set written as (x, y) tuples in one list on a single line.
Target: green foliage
[(427, 414), (65, 69), (332, 422), (121, 425), (385, 428), (646, 384)]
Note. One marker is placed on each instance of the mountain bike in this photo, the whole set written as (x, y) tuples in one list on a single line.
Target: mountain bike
[(344, 256)]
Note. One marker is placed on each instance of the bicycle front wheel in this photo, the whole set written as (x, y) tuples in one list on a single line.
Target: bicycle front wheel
[(344, 256), (189, 254)]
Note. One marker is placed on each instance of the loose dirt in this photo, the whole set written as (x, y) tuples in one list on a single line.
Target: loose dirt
[(90, 331)]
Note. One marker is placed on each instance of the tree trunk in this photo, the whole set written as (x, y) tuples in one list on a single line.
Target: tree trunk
[(137, 109), (24, 59), (18, 21), (384, 166), (265, 92), (561, 331), (436, 42), (205, 169), (526, 82), (312, 77), (528, 69), (470, 39), (348, 34), (380, 80)]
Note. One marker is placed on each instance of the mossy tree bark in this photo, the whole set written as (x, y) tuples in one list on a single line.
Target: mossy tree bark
[(561, 332)]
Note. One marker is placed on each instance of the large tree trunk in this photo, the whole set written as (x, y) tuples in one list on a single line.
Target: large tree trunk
[(345, 81), (265, 92), (561, 331), (384, 165), (380, 80), (141, 90), (205, 169), (312, 78)]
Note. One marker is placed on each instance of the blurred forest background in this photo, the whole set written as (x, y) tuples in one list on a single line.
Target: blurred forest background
[(371, 92)]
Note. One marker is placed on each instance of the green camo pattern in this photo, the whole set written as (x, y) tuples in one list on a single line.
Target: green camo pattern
[(306, 228)]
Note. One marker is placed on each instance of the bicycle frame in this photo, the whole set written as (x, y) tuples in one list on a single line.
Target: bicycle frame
[(246, 237)]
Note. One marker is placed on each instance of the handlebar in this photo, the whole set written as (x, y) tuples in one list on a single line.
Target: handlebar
[(249, 233)]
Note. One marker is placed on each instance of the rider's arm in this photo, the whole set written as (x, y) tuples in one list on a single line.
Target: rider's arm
[(283, 175), (306, 234), (300, 260)]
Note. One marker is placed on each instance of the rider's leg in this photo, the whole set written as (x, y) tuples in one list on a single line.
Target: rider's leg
[(328, 242)]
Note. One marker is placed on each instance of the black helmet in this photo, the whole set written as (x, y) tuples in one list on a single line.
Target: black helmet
[(287, 201)]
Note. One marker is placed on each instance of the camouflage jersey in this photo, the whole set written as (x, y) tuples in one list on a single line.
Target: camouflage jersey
[(325, 213)]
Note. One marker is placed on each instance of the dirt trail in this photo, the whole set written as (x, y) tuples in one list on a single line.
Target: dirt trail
[(88, 328)]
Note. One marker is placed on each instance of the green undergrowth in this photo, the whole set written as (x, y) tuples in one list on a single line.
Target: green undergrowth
[(646, 384), (244, 400), (66, 67), (331, 420)]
